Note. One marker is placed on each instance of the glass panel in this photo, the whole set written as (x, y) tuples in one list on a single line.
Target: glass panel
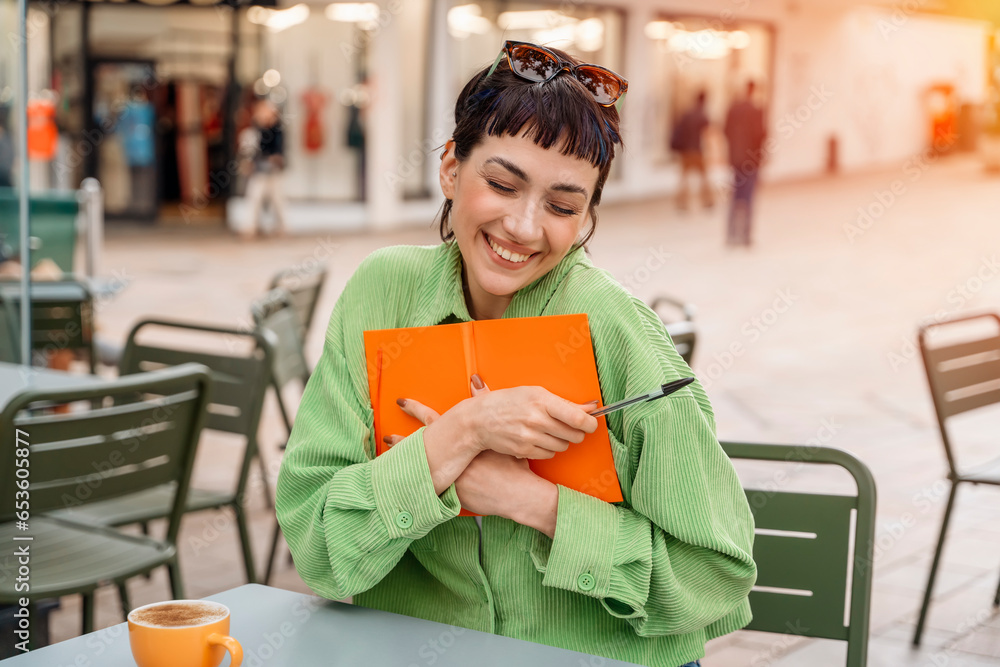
[(413, 52), (692, 57), (321, 58), (12, 141)]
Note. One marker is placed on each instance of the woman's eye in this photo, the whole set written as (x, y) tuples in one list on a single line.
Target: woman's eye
[(563, 211), (499, 188)]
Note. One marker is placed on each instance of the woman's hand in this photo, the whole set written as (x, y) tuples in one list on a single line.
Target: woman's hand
[(525, 422), (446, 445), (499, 485)]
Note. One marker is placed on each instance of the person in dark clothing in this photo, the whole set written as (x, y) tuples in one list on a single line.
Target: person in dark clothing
[(6, 152), (745, 133), (687, 141), (263, 146)]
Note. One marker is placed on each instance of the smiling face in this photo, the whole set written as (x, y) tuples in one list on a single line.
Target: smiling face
[(517, 210)]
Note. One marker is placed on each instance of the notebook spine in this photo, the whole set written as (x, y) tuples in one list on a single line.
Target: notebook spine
[(469, 348)]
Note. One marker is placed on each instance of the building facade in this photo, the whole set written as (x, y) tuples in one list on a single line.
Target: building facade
[(366, 90)]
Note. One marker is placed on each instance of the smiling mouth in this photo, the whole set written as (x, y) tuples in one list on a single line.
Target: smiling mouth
[(503, 253)]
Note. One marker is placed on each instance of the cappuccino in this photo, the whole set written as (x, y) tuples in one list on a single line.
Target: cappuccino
[(178, 614)]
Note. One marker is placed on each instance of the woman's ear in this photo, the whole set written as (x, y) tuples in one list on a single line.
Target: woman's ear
[(448, 170)]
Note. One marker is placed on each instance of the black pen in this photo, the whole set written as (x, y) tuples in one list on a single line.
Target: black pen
[(664, 390)]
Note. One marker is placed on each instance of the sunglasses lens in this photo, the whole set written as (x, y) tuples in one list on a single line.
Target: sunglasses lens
[(533, 64), (604, 85)]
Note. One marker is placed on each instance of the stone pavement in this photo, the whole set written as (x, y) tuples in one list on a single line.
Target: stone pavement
[(808, 336)]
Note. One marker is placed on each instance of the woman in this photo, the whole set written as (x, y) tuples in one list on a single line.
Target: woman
[(647, 581)]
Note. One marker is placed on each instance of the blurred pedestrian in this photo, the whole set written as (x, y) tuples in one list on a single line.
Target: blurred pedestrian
[(263, 147), (686, 139), (6, 152), (138, 141), (745, 133)]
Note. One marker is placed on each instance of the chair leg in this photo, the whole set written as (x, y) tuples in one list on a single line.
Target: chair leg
[(176, 584), (934, 566), (263, 479), (275, 540), (241, 522), (88, 612), (123, 596)]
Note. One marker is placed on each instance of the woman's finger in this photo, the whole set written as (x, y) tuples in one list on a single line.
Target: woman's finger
[(478, 386), (573, 415), (418, 410), (392, 439)]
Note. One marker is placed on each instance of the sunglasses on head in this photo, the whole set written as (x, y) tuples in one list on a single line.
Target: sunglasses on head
[(538, 64)]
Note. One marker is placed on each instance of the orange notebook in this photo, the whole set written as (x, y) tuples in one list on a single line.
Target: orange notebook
[(434, 365)]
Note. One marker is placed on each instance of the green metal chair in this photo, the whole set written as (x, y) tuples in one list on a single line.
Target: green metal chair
[(53, 216), (682, 332), (142, 433), (239, 384), (62, 315), (809, 582), (962, 376), (275, 314), (304, 286), (275, 317), (10, 333)]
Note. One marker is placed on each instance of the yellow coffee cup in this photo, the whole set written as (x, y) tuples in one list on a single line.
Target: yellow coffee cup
[(193, 633)]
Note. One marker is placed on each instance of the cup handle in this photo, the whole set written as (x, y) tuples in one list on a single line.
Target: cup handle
[(233, 646)]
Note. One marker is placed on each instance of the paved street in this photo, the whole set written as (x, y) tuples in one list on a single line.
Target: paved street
[(807, 336)]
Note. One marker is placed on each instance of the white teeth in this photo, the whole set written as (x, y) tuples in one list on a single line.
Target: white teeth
[(507, 254)]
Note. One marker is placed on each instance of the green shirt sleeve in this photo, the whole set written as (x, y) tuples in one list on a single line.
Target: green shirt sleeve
[(348, 519), (676, 555)]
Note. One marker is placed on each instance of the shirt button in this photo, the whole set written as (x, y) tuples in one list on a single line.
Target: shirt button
[(586, 582), (404, 520)]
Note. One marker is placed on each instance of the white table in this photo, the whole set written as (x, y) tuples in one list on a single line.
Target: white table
[(278, 628)]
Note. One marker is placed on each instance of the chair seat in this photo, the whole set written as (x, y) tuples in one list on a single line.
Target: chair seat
[(145, 505), (984, 473), (66, 558)]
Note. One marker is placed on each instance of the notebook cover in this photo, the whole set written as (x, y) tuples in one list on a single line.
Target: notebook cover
[(433, 365)]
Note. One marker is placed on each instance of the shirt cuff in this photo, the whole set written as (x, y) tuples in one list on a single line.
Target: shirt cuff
[(404, 491), (580, 558), (590, 534)]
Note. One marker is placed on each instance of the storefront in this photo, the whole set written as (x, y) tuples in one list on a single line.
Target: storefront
[(366, 92), (146, 98)]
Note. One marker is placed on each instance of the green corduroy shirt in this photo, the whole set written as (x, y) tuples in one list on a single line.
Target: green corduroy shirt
[(646, 581)]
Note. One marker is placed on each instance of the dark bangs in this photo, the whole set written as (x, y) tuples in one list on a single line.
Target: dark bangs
[(550, 112)]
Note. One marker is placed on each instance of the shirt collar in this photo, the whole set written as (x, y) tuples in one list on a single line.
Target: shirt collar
[(442, 298)]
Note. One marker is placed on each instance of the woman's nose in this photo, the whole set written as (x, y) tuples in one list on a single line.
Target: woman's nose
[(522, 224)]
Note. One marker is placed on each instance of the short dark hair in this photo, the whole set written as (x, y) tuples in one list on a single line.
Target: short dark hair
[(558, 110)]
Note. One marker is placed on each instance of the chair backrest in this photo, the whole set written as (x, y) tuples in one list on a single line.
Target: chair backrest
[(683, 332), (809, 580), (61, 314), (10, 333), (274, 315), (304, 285), (963, 374), (126, 435), (53, 217), (239, 382)]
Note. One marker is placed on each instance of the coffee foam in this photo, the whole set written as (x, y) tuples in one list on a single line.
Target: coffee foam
[(178, 614)]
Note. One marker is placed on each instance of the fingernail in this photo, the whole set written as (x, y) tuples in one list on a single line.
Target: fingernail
[(590, 403), (477, 381), (386, 439), (401, 402)]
